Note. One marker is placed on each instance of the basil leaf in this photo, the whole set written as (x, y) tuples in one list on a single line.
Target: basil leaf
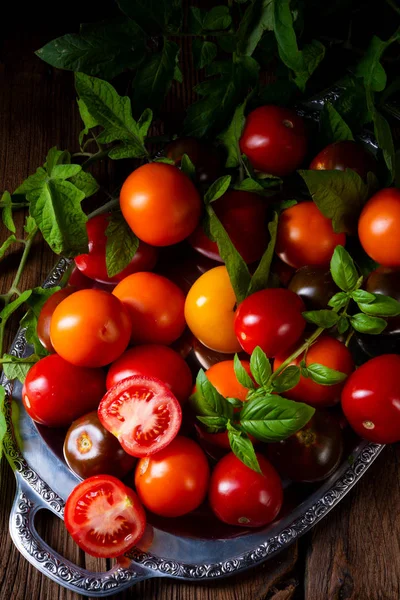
[(231, 136), (214, 424), (249, 185), (322, 318), (6, 205), (272, 418), (217, 189), (188, 167), (3, 424), (343, 270), (380, 306), (243, 449), (324, 375), (235, 402), (333, 128), (366, 324), (217, 18), (287, 380), (362, 296), (207, 401), (260, 277), (258, 17), (6, 244), (241, 374), (203, 53), (260, 366), (343, 325), (121, 246), (338, 300), (18, 368)]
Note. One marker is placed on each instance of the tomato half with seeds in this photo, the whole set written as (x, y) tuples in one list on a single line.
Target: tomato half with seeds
[(142, 413), (104, 517)]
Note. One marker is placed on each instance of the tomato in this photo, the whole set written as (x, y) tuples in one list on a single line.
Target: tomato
[(311, 454), (240, 496), (44, 320), (142, 413), (243, 215), (209, 311), (270, 319), (93, 265), (274, 140), (174, 481), (89, 449), (326, 351), (222, 376), (282, 271), (155, 305), (379, 227), (306, 237), (90, 328), (160, 204), (79, 281), (55, 392), (206, 357), (104, 516), (183, 266), (204, 156), (371, 399), (345, 155), (314, 285), (152, 360)]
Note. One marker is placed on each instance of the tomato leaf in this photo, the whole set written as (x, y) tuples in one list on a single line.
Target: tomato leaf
[(258, 17), (6, 206), (3, 424), (217, 18), (380, 306), (287, 380), (121, 245), (333, 127), (13, 306), (214, 424), (207, 401), (370, 68), (243, 449), (260, 366), (383, 134), (6, 244), (322, 318), (203, 52), (367, 324), (231, 136), (260, 277), (324, 375), (144, 122), (338, 300), (154, 16), (352, 103), (85, 182), (18, 368), (217, 189), (242, 375), (88, 120), (343, 270)]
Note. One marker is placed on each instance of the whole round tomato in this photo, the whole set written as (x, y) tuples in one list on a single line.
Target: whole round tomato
[(160, 204), (243, 215), (240, 496), (306, 237), (371, 399), (311, 454), (93, 264), (90, 328), (90, 450), (379, 227), (270, 319), (104, 516), (204, 156), (314, 285), (209, 311), (153, 360), (274, 140), (174, 481), (155, 306), (142, 413), (44, 320), (345, 155), (79, 281), (55, 393), (326, 351)]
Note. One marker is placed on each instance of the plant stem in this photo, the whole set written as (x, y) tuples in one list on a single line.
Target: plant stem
[(102, 209), (350, 335), (90, 154), (297, 353), (94, 157), (394, 6)]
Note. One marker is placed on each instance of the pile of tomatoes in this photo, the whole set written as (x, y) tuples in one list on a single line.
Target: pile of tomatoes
[(118, 373)]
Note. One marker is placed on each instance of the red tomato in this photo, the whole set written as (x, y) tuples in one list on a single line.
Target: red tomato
[(274, 140), (142, 413), (104, 516), (379, 227), (240, 496), (160, 204), (243, 215), (155, 305), (270, 319), (306, 237), (79, 281), (90, 328), (44, 320), (371, 399), (174, 481), (345, 155), (326, 351), (93, 265), (205, 157), (55, 393), (152, 360)]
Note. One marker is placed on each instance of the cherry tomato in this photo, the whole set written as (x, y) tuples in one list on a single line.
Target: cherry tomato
[(152, 360), (79, 281), (345, 155), (270, 319), (209, 311), (142, 413), (379, 227), (93, 265), (274, 140), (44, 320), (325, 351), (371, 399), (311, 454), (89, 449), (104, 516), (174, 481), (160, 204), (243, 215), (206, 158), (90, 328), (240, 496), (155, 305), (306, 237), (55, 393), (314, 285), (222, 376), (282, 271)]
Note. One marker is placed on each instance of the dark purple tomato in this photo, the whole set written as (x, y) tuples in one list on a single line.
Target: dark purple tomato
[(314, 285), (205, 157), (345, 155)]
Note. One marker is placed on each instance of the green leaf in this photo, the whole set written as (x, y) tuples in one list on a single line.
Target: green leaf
[(188, 167), (6, 244), (196, 19), (338, 300), (287, 380), (279, 92), (145, 121), (217, 189), (249, 185), (56, 157), (370, 68), (231, 136), (258, 17), (30, 225), (85, 182), (363, 296), (339, 195), (260, 277), (18, 368), (260, 366), (324, 375), (243, 449), (343, 270), (207, 401), (65, 171), (6, 205), (3, 424), (154, 16), (272, 418), (333, 127), (322, 318), (88, 121), (164, 160), (102, 49), (380, 306), (366, 324), (352, 103), (203, 52), (217, 18), (29, 323), (383, 134), (235, 402), (32, 183), (214, 424), (13, 306), (343, 325), (121, 246), (242, 375)]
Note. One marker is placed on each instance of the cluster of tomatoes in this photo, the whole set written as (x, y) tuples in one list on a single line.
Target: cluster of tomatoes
[(117, 375)]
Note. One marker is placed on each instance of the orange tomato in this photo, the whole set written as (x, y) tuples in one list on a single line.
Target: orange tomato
[(222, 376)]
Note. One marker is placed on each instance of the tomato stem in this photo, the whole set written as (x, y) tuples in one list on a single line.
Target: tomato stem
[(297, 353)]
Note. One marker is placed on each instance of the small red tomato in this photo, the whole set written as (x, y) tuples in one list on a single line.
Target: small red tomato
[(44, 320), (345, 155), (274, 140), (371, 399), (240, 496)]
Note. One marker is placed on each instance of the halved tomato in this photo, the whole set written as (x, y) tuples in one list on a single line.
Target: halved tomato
[(104, 517), (142, 413)]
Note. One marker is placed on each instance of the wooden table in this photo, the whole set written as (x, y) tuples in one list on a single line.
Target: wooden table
[(354, 554)]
